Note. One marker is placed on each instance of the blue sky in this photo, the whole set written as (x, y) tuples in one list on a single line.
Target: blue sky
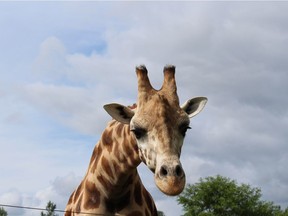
[(60, 62)]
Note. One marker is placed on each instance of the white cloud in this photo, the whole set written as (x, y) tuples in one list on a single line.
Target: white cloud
[(75, 107), (51, 60), (58, 192), (12, 197)]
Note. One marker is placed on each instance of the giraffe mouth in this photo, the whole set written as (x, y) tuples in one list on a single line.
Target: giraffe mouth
[(170, 185)]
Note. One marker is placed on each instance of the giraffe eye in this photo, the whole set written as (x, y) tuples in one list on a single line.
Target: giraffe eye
[(183, 129), (139, 132)]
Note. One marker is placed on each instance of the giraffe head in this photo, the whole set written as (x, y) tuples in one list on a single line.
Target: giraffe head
[(159, 125)]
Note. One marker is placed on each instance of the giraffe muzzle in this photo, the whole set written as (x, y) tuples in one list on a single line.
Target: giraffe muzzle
[(170, 179)]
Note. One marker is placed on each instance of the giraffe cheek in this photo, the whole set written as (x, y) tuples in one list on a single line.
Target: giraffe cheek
[(151, 165), (148, 157), (142, 153)]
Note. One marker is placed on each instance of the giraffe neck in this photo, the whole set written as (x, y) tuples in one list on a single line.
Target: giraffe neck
[(114, 161), (112, 185)]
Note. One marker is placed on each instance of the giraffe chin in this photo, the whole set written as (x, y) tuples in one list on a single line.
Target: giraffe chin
[(170, 185)]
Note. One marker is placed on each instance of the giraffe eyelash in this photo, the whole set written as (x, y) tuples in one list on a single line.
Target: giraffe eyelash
[(183, 129), (139, 132)]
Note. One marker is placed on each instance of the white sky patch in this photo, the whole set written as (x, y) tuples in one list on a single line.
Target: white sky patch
[(169, 207), (62, 61), (51, 60), (13, 197)]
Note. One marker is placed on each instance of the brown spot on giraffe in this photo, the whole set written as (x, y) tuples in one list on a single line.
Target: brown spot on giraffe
[(119, 130), (114, 206), (137, 194), (95, 158), (148, 200), (151, 132), (119, 156), (135, 213), (104, 182), (107, 140), (68, 212), (78, 191), (146, 212), (78, 206), (106, 167), (116, 166), (92, 196)]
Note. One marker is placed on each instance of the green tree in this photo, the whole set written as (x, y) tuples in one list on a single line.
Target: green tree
[(50, 209), (220, 196), (285, 212), (3, 212), (160, 213)]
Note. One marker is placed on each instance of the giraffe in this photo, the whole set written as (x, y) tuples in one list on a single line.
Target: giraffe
[(152, 132)]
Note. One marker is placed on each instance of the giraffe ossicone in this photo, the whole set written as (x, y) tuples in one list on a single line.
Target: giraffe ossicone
[(151, 132)]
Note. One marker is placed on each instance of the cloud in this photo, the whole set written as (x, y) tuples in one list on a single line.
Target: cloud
[(51, 59), (12, 197), (75, 107), (58, 192)]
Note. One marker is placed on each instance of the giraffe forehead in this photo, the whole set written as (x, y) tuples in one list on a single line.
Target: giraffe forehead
[(158, 102), (159, 112)]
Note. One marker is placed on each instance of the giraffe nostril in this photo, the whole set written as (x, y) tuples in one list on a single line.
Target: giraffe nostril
[(163, 171), (178, 171)]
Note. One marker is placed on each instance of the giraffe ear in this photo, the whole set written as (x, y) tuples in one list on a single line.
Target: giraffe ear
[(119, 112), (194, 106)]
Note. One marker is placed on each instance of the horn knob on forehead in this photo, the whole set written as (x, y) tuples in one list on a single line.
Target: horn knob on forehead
[(143, 80), (169, 68), (169, 78)]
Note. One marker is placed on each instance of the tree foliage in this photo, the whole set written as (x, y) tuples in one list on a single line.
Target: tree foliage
[(220, 196), (50, 209), (3, 212)]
